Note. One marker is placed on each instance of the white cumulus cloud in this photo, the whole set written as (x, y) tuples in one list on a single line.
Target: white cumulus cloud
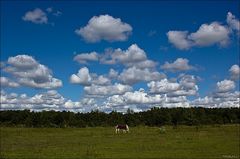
[(208, 34), (105, 27), (85, 78), (36, 16), (29, 72), (83, 58), (134, 75), (98, 90), (82, 77), (50, 100), (235, 72), (131, 56), (6, 82), (225, 86), (181, 64), (223, 100), (233, 22), (163, 86), (179, 39), (112, 74), (185, 87)]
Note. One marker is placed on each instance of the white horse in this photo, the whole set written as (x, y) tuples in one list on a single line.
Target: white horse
[(124, 128)]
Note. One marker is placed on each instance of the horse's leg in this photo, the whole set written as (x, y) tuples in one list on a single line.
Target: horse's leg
[(127, 128)]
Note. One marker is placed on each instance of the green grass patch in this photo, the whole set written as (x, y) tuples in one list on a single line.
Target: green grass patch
[(185, 142)]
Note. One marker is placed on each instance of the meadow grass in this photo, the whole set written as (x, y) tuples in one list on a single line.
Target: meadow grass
[(185, 142)]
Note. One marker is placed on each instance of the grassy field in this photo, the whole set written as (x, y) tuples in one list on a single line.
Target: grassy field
[(142, 142)]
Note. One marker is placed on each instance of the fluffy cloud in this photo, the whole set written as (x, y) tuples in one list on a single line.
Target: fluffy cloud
[(141, 100), (225, 86), (5, 82), (115, 100), (214, 33), (233, 22), (206, 35), (226, 100), (84, 57), (105, 27), (133, 75), (210, 34), (179, 39), (7, 98), (51, 84), (186, 87), (223, 96), (98, 90), (29, 72), (131, 56), (84, 105), (235, 72), (140, 97), (180, 64), (42, 101), (51, 97), (203, 102), (50, 100), (184, 92), (83, 77), (139, 68), (174, 100), (22, 62), (162, 93), (188, 81), (36, 16), (163, 86), (143, 64), (112, 73), (101, 80), (132, 98)]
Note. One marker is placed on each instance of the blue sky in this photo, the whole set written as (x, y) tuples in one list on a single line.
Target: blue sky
[(190, 40)]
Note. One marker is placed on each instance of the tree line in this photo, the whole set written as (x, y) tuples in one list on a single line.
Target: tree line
[(152, 117)]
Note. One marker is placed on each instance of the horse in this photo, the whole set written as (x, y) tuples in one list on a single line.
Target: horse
[(124, 128)]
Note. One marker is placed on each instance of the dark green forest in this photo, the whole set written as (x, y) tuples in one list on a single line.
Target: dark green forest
[(153, 117)]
